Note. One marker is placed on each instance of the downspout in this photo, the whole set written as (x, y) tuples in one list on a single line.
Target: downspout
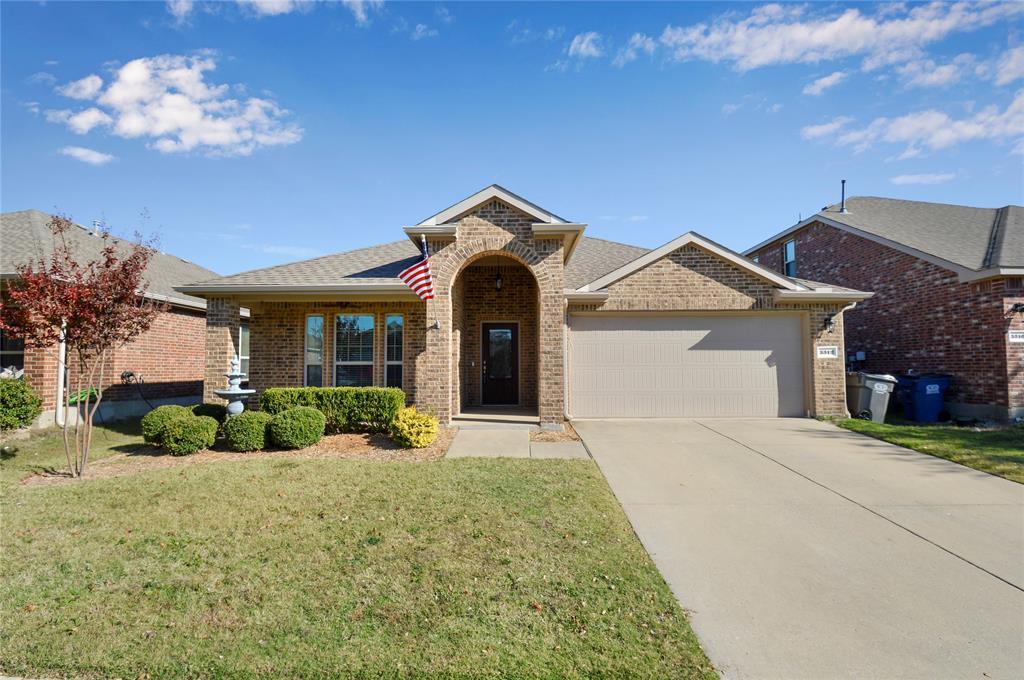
[(60, 410)]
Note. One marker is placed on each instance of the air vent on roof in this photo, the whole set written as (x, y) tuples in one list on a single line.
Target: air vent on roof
[(842, 201)]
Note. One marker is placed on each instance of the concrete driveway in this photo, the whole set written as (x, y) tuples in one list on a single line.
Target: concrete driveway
[(806, 551)]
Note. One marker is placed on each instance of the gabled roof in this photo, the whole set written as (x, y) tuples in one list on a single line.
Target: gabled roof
[(486, 194), (547, 225), (696, 239), (974, 242), (375, 269), (25, 236)]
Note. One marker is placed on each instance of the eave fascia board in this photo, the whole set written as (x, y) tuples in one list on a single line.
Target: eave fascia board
[(569, 231), (486, 194), (991, 273), (396, 289), (701, 242), (821, 295), (964, 273), (430, 231), (586, 296)]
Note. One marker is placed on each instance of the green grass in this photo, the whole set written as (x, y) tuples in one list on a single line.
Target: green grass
[(999, 451), (43, 451), (311, 568)]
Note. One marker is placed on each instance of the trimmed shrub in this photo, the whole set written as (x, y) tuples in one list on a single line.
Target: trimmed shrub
[(153, 422), (247, 431), (218, 412), (186, 435), (19, 403), (297, 428), (347, 409), (412, 429)]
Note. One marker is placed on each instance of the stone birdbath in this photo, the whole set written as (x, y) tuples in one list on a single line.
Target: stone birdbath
[(234, 394)]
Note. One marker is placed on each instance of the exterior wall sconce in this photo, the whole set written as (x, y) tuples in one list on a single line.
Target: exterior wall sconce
[(436, 326), (830, 324), (497, 281)]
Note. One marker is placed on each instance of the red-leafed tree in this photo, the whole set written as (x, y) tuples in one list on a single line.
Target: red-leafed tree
[(93, 306)]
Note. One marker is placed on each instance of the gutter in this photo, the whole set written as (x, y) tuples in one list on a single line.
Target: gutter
[(820, 295)]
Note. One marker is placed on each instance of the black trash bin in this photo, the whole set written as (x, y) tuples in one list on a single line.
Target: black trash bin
[(867, 394)]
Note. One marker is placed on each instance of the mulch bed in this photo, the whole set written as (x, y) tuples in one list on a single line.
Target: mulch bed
[(377, 447), (568, 436)]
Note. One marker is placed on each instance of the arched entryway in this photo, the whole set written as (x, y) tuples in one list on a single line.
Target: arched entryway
[(495, 335)]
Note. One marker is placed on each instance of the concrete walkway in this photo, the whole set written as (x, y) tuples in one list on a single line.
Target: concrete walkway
[(806, 551), (509, 443)]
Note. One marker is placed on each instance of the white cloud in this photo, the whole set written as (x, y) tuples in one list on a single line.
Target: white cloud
[(444, 14), (80, 123), (825, 129), (290, 251), (937, 130), (819, 86), (729, 109), (1010, 66), (786, 34), (926, 73), (168, 100), (361, 9), (586, 45), (269, 8), (638, 43), (637, 218), (90, 156), (180, 9), (522, 33), (423, 31), (42, 78), (927, 178), (86, 88)]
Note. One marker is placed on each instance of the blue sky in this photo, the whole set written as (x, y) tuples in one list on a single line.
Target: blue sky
[(260, 133)]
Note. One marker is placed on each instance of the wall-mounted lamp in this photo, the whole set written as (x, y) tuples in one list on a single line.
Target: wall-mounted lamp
[(830, 324), (497, 281), (436, 326), (1017, 308)]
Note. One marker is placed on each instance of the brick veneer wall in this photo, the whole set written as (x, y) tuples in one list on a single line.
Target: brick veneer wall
[(493, 228), (692, 279), (921, 317), (169, 358), (222, 326), (481, 303), (277, 340), (1014, 295)]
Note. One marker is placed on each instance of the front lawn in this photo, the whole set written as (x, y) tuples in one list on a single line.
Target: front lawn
[(319, 567), (998, 451)]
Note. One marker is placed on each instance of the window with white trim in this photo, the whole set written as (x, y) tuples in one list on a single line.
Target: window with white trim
[(12, 352), (243, 349), (789, 258), (313, 375), (395, 327), (756, 259), (353, 350)]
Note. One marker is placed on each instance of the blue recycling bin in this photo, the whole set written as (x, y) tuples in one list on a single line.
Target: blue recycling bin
[(922, 396)]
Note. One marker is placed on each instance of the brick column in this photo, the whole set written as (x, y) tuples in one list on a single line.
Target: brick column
[(828, 376), (433, 367), (551, 360), (222, 325)]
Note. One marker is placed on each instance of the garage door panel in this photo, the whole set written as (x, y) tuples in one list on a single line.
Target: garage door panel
[(685, 366)]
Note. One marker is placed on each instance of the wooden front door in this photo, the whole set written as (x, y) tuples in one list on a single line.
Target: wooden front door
[(500, 353)]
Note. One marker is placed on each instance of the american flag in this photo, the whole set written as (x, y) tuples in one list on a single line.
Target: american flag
[(418, 276)]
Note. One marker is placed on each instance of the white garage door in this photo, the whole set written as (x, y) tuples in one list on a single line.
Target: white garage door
[(685, 366)]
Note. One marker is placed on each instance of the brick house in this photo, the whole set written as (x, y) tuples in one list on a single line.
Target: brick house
[(529, 314), (949, 290), (168, 360)]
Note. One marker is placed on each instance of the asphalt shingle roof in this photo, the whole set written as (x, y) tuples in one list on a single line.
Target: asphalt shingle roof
[(975, 238), (25, 237), (592, 258)]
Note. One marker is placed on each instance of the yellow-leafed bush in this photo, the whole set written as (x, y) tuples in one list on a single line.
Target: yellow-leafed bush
[(412, 429)]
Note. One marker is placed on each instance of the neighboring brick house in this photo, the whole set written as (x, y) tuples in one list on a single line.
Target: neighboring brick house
[(168, 359), (949, 290), (532, 316)]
